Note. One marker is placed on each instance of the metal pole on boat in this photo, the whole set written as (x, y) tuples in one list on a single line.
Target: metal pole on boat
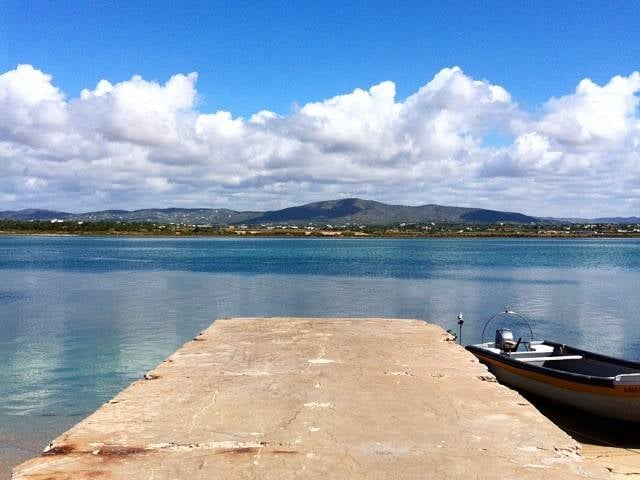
[(460, 322)]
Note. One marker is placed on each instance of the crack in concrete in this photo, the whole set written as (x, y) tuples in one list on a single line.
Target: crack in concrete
[(223, 445), (201, 411)]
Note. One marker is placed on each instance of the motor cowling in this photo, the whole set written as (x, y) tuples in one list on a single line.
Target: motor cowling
[(504, 340)]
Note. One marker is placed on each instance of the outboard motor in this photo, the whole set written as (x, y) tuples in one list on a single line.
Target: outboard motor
[(504, 340)]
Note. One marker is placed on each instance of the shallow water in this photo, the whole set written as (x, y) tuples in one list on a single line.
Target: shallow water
[(80, 318)]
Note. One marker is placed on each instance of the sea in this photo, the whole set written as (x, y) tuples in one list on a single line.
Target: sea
[(83, 317)]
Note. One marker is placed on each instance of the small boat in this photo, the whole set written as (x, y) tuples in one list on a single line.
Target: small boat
[(588, 381)]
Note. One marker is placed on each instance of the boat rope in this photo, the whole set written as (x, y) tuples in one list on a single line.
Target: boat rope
[(591, 437)]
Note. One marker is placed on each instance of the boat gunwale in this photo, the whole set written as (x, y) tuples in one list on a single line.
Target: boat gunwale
[(595, 356), (561, 374)]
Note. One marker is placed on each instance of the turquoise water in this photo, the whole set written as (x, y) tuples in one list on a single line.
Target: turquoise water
[(80, 318)]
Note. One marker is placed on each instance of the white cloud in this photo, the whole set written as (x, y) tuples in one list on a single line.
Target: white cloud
[(33, 183), (594, 116), (138, 111), (141, 143), (32, 110), (158, 184)]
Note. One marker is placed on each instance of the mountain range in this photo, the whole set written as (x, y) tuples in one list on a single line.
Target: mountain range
[(348, 210)]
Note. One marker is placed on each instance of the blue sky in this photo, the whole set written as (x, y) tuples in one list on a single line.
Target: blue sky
[(522, 105), (271, 55)]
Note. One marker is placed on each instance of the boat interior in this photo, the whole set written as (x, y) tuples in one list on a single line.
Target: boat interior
[(563, 358)]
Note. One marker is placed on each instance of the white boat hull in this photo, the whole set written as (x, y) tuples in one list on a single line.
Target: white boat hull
[(622, 407)]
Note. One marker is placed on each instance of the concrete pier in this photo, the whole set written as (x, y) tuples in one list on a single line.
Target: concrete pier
[(315, 398)]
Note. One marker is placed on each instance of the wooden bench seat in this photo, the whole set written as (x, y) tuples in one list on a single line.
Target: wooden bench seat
[(550, 359)]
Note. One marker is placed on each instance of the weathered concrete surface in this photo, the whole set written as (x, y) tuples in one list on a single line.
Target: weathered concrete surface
[(315, 398), (622, 462), (612, 444)]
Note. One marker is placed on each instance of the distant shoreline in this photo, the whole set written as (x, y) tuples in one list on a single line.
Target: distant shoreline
[(493, 235), (22, 234)]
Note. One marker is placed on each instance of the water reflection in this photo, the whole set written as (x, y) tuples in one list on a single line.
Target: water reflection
[(81, 318), (82, 336)]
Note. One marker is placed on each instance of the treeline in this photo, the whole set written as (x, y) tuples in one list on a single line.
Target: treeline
[(42, 226), (35, 227)]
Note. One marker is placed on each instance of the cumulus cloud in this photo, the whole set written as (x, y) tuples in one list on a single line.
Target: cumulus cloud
[(138, 111), (141, 143), (33, 111), (594, 116)]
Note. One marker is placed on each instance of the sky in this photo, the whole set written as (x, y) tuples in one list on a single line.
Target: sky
[(520, 106)]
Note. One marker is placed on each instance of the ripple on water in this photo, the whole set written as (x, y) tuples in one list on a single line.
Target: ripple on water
[(80, 318)]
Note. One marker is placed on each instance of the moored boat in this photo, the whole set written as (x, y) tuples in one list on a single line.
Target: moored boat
[(605, 386)]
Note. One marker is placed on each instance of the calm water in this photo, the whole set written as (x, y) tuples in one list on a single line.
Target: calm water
[(80, 318)]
